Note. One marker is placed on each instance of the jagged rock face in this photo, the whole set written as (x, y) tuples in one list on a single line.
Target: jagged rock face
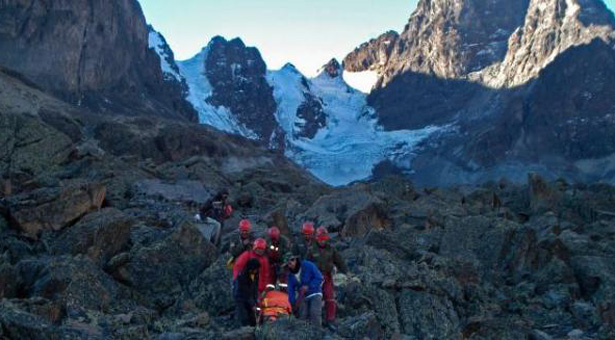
[(529, 90), (372, 55), (332, 68), (449, 38), (238, 77), (550, 28), (313, 115), (93, 52), (443, 42)]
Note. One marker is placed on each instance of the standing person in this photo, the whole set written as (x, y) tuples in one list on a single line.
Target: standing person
[(303, 245), (306, 280), (258, 252), (244, 241), (278, 246), (245, 292), (214, 212), (327, 258)]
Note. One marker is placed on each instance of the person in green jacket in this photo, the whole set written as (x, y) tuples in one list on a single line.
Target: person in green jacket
[(327, 258)]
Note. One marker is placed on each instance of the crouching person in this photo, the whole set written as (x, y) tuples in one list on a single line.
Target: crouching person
[(246, 292), (305, 280)]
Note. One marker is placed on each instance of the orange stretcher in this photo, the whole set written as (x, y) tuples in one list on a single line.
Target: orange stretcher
[(274, 306)]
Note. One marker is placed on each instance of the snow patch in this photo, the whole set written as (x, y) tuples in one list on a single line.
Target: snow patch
[(157, 43), (200, 89), (352, 143), (362, 81)]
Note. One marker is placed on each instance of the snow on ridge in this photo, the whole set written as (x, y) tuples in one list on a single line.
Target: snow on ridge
[(288, 94), (352, 142), (200, 89), (157, 43)]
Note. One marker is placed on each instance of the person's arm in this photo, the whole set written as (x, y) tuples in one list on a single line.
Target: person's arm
[(240, 263), (291, 289), (339, 262)]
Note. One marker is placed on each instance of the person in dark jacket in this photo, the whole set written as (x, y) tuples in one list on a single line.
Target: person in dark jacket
[(278, 245), (327, 259), (246, 293), (305, 280), (243, 240), (214, 212), (305, 243)]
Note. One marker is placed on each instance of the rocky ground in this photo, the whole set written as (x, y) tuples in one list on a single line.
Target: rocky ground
[(97, 240)]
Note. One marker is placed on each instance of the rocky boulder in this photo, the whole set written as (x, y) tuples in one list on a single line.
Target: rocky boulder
[(76, 283), (353, 212), (162, 268), (100, 236), (426, 316), (49, 209)]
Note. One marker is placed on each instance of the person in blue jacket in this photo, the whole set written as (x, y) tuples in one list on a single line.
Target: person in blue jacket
[(305, 280)]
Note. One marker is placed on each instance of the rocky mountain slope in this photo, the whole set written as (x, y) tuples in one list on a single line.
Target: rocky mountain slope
[(528, 88), (469, 91), (91, 53), (97, 239)]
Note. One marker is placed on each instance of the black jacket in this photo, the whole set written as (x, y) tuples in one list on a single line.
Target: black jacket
[(214, 208), (246, 287)]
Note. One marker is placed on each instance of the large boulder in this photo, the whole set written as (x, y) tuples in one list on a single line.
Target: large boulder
[(211, 290), (426, 316), (353, 211), (289, 329), (163, 268), (74, 282), (50, 209), (16, 323), (29, 146), (100, 235), (496, 243)]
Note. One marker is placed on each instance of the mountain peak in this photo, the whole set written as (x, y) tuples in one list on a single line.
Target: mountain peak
[(333, 68)]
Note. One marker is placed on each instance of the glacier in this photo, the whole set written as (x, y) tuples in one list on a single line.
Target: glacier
[(345, 150)]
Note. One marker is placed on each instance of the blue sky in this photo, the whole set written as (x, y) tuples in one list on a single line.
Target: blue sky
[(305, 32)]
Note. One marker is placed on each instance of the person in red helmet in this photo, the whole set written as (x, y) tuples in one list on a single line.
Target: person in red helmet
[(244, 240), (327, 259), (278, 246), (259, 252), (303, 245)]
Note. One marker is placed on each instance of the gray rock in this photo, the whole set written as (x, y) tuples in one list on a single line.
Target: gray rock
[(53, 209), (162, 269), (100, 236), (427, 316)]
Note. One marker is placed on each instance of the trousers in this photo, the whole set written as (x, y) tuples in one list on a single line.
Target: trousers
[(311, 309), (328, 294)]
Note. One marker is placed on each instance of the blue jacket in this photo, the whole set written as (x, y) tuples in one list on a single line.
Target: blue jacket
[(310, 276)]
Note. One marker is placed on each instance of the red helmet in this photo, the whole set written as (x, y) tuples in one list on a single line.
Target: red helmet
[(322, 234), (245, 225), (308, 228), (260, 243), (274, 233)]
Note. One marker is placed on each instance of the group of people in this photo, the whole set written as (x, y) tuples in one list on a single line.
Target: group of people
[(273, 274), (264, 266)]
